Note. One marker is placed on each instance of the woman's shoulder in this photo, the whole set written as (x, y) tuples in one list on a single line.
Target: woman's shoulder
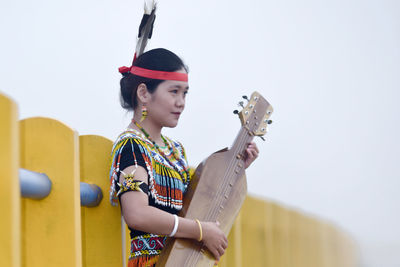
[(130, 135)]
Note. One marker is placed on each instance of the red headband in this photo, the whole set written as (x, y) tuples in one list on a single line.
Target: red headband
[(155, 74)]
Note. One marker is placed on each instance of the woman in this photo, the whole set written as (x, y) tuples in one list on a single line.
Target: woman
[(150, 171)]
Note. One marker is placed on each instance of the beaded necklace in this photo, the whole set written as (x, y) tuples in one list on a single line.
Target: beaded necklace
[(171, 149)]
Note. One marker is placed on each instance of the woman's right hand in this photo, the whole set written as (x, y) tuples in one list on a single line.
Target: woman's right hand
[(214, 239)]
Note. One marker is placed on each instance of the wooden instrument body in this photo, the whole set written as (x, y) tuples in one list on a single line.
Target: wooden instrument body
[(218, 188), (210, 197)]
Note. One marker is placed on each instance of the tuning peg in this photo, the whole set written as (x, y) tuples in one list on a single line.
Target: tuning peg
[(241, 104), (236, 111), (245, 97), (269, 121), (262, 138)]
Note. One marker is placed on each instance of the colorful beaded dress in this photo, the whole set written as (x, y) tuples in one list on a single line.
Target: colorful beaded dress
[(168, 179)]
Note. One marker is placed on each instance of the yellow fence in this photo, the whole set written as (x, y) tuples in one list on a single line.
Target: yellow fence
[(57, 231)]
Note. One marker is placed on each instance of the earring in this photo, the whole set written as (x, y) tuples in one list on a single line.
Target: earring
[(144, 113)]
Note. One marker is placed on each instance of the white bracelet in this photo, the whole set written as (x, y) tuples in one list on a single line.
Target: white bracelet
[(176, 223)]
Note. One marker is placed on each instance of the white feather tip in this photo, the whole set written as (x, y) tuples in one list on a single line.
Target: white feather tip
[(149, 5)]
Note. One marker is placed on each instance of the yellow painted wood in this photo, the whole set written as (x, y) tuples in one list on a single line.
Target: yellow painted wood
[(271, 254), (253, 232), (314, 243), (281, 236), (319, 240), (10, 238), (101, 225), (330, 251), (351, 252), (51, 228), (297, 250), (308, 242), (346, 249), (340, 249), (289, 238), (324, 245)]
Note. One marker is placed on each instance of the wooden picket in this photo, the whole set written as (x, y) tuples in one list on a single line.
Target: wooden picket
[(271, 254), (51, 227), (281, 235), (101, 225), (10, 200), (297, 246), (253, 232)]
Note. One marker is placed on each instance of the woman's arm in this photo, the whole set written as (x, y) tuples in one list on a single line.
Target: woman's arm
[(140, 216)]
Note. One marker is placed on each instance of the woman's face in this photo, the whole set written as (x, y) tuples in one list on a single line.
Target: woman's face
[(167, 103)]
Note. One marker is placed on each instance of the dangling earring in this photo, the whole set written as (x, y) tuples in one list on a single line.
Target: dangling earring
[(144, 113)]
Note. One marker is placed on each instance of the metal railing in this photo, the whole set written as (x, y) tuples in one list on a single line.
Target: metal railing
[(37, 185)]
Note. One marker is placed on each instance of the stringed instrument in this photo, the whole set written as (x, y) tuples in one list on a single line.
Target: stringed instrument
[(218, 188)]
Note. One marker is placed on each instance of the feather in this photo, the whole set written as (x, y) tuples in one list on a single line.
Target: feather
[(146, 27)]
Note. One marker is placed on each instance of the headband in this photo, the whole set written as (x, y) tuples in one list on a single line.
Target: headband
[(145, 33), (155, 74)]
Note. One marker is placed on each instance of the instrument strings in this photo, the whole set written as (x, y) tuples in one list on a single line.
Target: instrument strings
[(213, 212)]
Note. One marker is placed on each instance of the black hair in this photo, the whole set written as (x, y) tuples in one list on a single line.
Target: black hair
[(157, 59)]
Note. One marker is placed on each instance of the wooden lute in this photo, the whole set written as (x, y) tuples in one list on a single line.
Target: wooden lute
[(218, 188)]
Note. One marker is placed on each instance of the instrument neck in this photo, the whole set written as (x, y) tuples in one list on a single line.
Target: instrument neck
[(242, 139)]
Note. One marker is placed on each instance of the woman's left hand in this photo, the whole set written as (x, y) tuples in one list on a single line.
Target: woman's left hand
[(251, 154)]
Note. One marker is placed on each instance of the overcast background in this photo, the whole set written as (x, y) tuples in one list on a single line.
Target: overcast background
[(330, 69)]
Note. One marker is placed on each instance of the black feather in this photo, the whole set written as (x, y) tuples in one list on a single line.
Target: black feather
[(143, 23)]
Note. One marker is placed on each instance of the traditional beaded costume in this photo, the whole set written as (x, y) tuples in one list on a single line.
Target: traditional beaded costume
[(166, 185)]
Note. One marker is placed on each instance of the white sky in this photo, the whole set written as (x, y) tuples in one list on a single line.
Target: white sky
[(331, 70)]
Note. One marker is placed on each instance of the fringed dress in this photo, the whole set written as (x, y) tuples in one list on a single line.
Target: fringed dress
[(167, 185)]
